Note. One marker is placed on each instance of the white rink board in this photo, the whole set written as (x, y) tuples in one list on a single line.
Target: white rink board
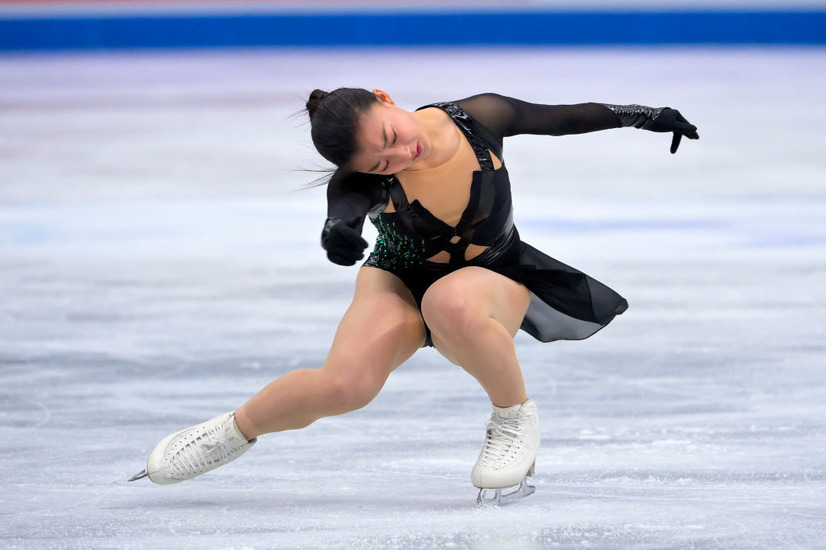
[(158, 266)]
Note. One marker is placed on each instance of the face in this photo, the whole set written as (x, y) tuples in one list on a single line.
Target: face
[(389, 140)]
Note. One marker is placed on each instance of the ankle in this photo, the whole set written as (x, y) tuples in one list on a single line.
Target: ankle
[(515, 404), (245, 426)]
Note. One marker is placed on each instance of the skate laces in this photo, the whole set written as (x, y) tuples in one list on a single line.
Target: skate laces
[(502, 434), (209, 449)]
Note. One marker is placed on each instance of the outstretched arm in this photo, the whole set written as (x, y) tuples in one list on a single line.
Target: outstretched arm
[(350, 196), (505, 116)]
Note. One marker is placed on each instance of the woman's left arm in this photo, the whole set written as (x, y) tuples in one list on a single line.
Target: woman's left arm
[(506, 116)]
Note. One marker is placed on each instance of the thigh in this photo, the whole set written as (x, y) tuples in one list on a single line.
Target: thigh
[(476, 292), (381, 329)]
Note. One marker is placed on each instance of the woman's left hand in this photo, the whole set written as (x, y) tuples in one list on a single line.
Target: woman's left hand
[(670, 120)]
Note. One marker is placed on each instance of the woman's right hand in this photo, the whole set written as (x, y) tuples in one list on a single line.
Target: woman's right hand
[(344, 245)]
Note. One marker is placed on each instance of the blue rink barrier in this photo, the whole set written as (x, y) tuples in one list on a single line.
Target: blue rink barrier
[(473, 28)]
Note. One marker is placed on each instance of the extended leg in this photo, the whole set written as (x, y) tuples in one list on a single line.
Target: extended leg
[(380, 330)]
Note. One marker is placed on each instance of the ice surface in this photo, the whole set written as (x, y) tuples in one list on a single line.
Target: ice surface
[(159, 262)]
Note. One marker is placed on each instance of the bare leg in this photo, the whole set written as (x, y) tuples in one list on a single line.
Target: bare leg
[(381, 329), (473, 315)]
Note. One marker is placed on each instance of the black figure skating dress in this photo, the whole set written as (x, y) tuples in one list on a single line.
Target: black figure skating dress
[(565, 303)]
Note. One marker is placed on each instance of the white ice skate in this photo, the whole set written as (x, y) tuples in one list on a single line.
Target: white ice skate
[(509, 454), (195, 451)]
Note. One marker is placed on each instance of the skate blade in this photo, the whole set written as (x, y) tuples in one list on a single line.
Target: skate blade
[(495, 497), (140, 475)]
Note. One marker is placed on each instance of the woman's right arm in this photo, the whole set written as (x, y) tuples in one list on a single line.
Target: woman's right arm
[(350, 196)]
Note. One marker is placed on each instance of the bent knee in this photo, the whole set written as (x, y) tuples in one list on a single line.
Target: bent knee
[(451, 311), (350, 391)]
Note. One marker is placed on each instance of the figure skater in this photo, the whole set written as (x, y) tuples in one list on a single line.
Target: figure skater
[(448, 270)]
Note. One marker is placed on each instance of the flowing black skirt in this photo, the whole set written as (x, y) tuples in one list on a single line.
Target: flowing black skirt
[(566, 304)]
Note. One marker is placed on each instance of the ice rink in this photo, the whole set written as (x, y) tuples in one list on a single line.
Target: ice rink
[(159, 263)]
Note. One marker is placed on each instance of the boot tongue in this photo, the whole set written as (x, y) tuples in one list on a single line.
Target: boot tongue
[(507, 412)]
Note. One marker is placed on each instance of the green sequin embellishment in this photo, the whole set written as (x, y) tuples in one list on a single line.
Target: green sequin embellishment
[(394, 249)]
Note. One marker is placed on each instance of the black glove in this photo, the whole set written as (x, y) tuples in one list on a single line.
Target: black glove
[(664, 119), (344, 245), (670, 120)]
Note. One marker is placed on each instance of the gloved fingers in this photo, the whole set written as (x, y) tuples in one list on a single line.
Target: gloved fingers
[(344, 259), (675, 142), (353, 240), (680, 124), (343, 234), (686, 129), (672, 120), (346, 246), (343, 256), (340, 261)]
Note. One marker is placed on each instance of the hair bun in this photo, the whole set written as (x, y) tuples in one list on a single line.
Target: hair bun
[(315, 98)]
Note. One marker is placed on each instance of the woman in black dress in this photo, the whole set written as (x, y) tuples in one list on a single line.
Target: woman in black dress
[(448, 270)]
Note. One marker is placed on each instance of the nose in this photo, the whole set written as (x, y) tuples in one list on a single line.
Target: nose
[(404, 152), (413, 150)]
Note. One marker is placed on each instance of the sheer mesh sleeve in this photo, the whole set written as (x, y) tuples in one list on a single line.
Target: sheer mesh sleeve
[(505, 116)]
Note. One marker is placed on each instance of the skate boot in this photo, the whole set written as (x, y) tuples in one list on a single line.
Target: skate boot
[(509, 454), (195, 451)]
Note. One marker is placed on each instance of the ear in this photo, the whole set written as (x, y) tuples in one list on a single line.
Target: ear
[(383, 96)]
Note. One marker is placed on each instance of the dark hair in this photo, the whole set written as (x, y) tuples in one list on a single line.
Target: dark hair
[(334, 120)]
